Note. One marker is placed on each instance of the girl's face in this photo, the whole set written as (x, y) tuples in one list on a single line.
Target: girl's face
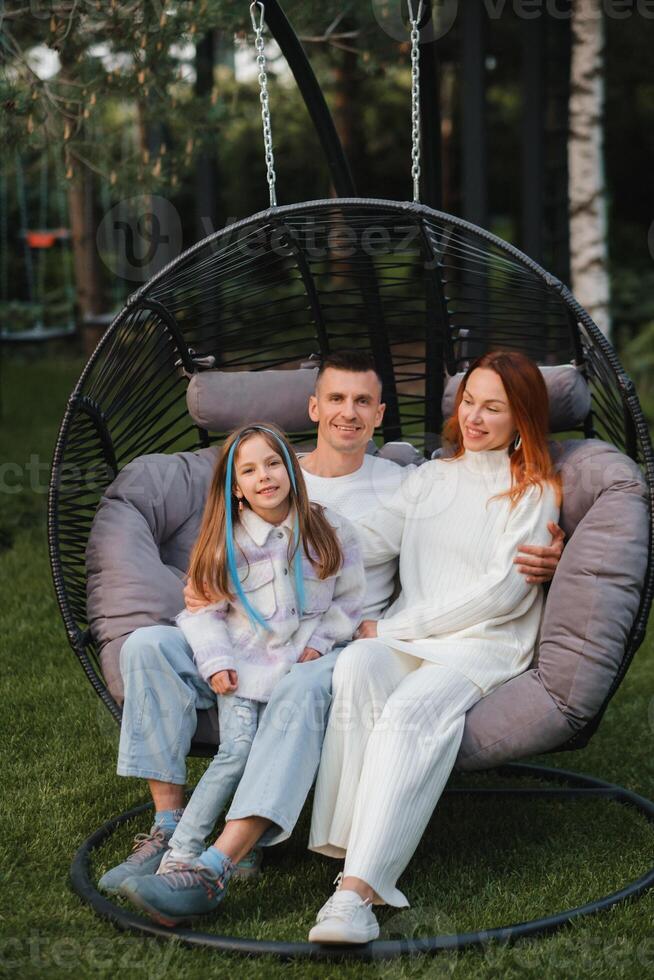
[(262, 479), (485, 417)]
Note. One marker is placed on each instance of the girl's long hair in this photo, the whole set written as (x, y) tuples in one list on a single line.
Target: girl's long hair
[(531, 462), (208, 571)]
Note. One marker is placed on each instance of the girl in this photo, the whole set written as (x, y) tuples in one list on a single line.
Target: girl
[(285, 581), (465, 622)]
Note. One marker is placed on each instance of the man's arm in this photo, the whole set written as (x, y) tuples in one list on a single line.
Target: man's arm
[(192, 599), (538, 564)]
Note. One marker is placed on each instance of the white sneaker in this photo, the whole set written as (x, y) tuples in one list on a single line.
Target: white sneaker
[(345, 918)]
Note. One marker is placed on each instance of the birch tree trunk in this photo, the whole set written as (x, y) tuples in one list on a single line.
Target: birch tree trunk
[(587, 190)]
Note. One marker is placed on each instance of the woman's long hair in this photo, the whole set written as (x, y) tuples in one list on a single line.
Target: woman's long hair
[(531, 462), (208, 572)]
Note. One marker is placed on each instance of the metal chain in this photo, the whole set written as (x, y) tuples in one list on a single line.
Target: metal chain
[(263, 98), (415, 97)]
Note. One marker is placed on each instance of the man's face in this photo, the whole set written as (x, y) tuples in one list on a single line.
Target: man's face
[(347, 408)]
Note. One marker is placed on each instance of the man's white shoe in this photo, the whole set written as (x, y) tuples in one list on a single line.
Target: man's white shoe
[(345, 918)]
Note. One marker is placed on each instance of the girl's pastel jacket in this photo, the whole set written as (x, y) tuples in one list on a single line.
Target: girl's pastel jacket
[(222, 637)]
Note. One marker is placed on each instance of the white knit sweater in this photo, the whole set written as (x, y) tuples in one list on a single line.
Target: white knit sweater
[(358, 495), (463, 602)]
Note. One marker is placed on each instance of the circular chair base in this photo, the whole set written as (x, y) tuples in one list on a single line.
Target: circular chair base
[(576, 786)]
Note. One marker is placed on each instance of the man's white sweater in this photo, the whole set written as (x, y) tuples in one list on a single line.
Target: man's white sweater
[(356, 495)]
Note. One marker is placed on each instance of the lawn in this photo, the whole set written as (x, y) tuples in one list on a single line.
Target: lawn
[(480, 864)]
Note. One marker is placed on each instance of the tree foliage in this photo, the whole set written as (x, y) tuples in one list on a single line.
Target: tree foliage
[(115, 96)]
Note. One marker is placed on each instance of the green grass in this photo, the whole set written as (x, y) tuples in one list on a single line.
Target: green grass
[(481, 863)]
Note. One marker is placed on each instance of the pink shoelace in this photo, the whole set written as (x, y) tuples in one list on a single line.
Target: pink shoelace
[(198, 875), (145, 845)]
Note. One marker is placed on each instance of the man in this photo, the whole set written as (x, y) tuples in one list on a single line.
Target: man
[(161, 680)]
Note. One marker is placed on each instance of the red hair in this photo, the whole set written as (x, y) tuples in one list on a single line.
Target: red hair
[(531, 463)]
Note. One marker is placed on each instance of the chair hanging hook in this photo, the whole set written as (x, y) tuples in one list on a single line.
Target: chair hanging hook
[(262, 78), (253, 7), (415, 96)]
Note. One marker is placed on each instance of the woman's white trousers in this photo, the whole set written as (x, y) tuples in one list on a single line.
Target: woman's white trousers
[(394, 732)]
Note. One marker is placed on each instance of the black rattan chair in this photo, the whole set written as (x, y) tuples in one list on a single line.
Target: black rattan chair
[(424, 291)]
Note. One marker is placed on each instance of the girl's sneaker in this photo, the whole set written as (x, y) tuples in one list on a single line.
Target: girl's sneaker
[(250, 865), (147, 852), (180, 895), (172, 860)]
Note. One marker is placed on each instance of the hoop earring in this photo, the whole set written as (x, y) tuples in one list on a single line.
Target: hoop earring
[(517, 443)]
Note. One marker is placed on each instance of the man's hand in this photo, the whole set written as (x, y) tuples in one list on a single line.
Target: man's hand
[(539, 564), (308, 654), (367, 630), (192, 600), (224, 681)]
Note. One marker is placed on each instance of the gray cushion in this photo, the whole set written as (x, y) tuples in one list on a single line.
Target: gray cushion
[(568, 392), (140, 543), (590, 608), (147, 522), (402, 453), (222, 400), (139, 546)]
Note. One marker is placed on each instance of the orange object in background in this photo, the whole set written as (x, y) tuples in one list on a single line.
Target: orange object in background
[(45, 239)]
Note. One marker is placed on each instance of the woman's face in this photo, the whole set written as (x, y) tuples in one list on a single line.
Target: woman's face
[(485, 417), (262, 479)]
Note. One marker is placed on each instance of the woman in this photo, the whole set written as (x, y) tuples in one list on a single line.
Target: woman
[(465, 622)]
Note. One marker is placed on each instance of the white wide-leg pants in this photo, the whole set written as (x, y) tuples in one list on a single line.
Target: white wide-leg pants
[(394, 732)]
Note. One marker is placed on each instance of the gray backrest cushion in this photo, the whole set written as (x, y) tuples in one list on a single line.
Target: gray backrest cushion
[(569, 396), (402, 453), (138, 549), (222, 400), (590, 608)]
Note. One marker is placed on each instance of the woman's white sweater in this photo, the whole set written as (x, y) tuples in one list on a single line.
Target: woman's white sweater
[(463, 602)]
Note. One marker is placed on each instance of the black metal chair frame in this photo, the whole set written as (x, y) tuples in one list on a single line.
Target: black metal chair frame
[(616, 413), (159, 323), (616, 410), (575, 787)]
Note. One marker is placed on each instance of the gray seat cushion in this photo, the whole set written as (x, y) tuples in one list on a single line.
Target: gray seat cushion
[(148, 519), (590, 608), (140, 542), (139, 547)]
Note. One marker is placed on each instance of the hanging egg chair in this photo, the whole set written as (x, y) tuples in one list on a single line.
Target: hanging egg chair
[(225, 331)]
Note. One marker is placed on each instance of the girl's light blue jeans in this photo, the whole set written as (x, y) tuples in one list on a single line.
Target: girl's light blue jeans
[(163, 692), (238, 719)]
